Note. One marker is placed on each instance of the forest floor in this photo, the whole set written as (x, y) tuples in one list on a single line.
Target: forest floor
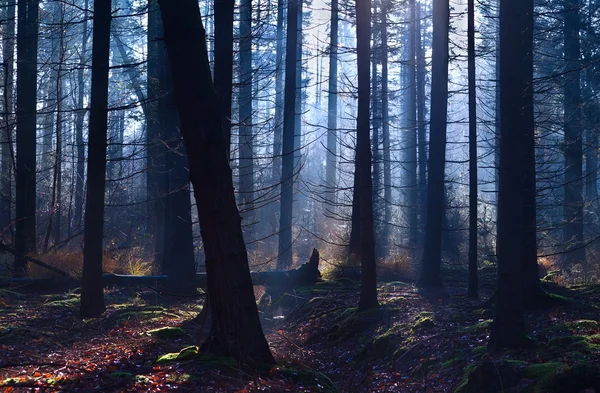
[(416, 342)]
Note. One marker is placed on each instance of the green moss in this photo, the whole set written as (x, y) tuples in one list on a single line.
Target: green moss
[(382, 346), (167, 332), (193, 353), (570, 379), (542, 370), (479, 327), (423, 323), (451, 362), (185, 354), (478, 351)]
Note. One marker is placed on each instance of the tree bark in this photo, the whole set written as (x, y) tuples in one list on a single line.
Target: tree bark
[(573, 188), (6, 138), (284, 259), (235, 329), (223, 64), (411, 143), (27, 43), (92, 293), (246, 142), (472, 290), (332, 105), (517, 127), (385, 133), (430, 275), (421, 131), (368, 288)]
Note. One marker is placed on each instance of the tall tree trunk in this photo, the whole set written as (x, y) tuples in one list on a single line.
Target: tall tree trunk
[(430, 275), (517, 127), (246, 142), (236, 329), (368, 288), (473, 277), (298, 101), (385, 133), (411, 132), (55, 205), (27, 42), (79, 119), (92, 295), (375, 116), (278, 126), (284, 259), (355, 219), (223, 65), (421, 130), (573, 193), (154, 149), (6, 137), (332, 105)]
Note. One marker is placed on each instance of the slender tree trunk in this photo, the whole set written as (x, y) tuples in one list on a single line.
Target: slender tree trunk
[(385, 134), (79, 119), (375, 116), (332, 105), (92, 294), (517, 127), (355, 219), (235, 329), (154, 151), (284, 259), (223, 65), (573, 193), (421, 131), (473, 277), (368, 288), (6, 137), (430, 275), (246, 142), (411, 132), (27, 42), (298, 101), (278, 127)]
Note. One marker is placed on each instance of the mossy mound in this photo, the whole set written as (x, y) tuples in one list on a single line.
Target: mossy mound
[(480, 327), (167, 332), (577, 325), (423, 323), (383, 346), (304, 377), (515, 375), (351, 322), (67, 300), (192, 353)]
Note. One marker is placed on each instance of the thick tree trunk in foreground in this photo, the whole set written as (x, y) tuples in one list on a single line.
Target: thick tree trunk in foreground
[(223, 65), (6, 137), (517, 125), (92, 293), (27, 43), (368, 288), (430, 275), (235, 328)]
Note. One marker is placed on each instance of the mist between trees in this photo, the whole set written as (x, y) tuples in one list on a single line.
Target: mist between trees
[(403, 140)]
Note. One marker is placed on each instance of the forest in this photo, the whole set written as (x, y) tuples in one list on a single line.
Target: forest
[(300, 196)]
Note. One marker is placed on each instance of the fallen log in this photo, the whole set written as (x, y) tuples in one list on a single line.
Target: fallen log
[(307, 274)]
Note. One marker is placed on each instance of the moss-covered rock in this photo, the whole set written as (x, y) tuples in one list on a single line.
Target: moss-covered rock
[(382, 347), (167, 332), (193, 353)]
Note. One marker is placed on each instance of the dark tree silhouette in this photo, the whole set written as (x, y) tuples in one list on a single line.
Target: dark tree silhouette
[(430, 275), (235, 329), (284, 259), (27, 44), (516, 130), (92, 293), (368, 288)]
